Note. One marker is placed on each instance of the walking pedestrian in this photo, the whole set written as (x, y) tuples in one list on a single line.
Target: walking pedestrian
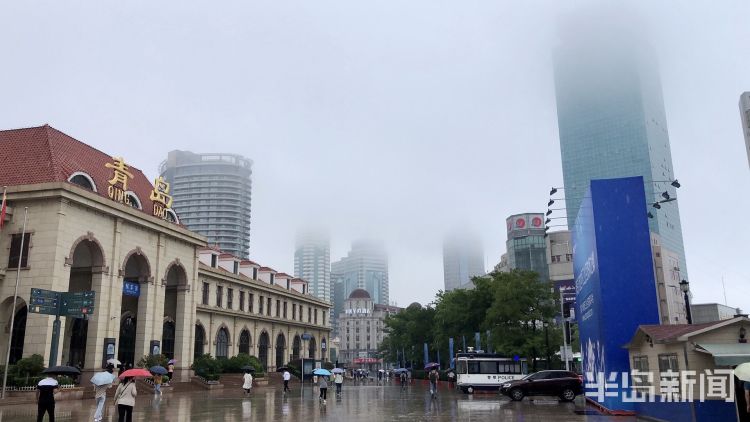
[(170, 370), (125, 399), (338, 379), (247, 381), (287, 377), (100, 394), (323, 384), (45, 398), (158, 379), (402, 378), (434, 377)]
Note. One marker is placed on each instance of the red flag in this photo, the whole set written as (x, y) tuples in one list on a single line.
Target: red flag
[(4, 207)]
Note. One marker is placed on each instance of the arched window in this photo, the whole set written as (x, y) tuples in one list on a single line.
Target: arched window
[(19, 333), (222, 343), (83, 180), (172, 216), (133, 199), (311, 348), (280, 345), (263, 349), (245, 342), (296, 346), (200, 338)]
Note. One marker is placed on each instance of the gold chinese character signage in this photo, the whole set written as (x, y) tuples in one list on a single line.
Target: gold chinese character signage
[(161, 198), (118, 190), (118, 184)]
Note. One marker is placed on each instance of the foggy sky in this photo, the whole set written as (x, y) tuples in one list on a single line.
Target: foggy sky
[(402, 120)]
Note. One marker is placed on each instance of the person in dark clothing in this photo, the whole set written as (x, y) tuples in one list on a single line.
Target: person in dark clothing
[(45, 398)]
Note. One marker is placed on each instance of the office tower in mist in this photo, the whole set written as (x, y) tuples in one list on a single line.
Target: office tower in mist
[(463, 258), (612, 121), (312, 262), (365, 267), (745, 118), (212, 195)]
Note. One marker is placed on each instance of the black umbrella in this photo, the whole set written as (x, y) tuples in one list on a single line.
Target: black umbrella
[(248, 368), (63, 370), (282, 369)]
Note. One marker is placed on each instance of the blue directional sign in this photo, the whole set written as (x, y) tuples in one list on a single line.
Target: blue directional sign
[(131, 288)]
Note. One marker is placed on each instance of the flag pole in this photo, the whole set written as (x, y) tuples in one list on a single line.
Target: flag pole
[(15, 298)]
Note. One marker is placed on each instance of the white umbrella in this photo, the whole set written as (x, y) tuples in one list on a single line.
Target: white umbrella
[(742, 371), (48, 382), (114, 361), (102, 378)]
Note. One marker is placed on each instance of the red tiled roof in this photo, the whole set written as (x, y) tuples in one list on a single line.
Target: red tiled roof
[(283, 275), (44, 154), (227, 255), (298, 280), (667, 332), (247, 261), (266, 269)]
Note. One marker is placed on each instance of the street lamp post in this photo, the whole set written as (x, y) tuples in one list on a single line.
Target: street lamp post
[(685, 287)]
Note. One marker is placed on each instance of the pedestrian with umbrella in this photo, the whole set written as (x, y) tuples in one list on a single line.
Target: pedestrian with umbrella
[(170, 369), (45, 397), (247, 379), (434, 376), (159, 372), (338, 379), (286, 377), (102, 382), (46, 389), (322, 374)]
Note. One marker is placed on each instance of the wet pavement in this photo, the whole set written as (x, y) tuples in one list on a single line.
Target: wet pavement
[(369, 402)]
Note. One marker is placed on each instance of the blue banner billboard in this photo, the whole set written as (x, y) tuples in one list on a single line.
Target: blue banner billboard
[(614, 279)]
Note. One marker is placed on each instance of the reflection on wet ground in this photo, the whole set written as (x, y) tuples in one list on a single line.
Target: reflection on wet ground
[(369, 402)]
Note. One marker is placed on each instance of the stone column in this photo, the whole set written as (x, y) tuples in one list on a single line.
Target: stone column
[(184, 328), (99, 320)]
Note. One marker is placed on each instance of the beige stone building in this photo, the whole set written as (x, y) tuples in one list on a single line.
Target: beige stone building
[(245, 308), (97, 224), (362, 329)]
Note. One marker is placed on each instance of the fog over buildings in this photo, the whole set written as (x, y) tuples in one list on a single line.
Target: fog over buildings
[(388, 120)]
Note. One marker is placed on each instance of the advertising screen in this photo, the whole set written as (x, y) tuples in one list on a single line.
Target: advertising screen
[(614, 279)]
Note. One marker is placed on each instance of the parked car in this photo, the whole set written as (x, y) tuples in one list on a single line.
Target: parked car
[(564, 384)]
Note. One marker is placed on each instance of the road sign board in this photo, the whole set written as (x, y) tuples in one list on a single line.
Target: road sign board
[(44, 302), (306, 336), (77, 304)]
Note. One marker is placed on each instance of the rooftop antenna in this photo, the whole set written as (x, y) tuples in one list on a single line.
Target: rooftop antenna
[(725, 289)]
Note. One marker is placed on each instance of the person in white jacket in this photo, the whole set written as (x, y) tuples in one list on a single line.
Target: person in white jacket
[(125, 399), (247, 381)]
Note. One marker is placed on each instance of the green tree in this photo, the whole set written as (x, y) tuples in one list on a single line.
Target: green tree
[(520, 316)]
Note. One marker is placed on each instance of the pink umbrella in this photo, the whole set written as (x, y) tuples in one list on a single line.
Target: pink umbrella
[(135, 372)]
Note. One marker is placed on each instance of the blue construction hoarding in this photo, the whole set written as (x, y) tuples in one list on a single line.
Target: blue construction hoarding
[(614, 278)]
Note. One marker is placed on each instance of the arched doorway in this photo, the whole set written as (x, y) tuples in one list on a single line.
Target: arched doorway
[(167, 338), (175, 281), (86, 260), (263, 349), (19, 334), (136, 272), (222, 343), (200, 340), (312, 346), (296, 347), (244, 342), (280, 346)]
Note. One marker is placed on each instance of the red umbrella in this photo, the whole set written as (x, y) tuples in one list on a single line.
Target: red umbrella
[(135, 372)]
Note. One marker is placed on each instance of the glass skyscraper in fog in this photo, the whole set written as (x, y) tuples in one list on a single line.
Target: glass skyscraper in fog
[(612, 123)]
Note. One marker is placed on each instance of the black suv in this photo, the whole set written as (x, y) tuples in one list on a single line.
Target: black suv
[(564, 384)]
